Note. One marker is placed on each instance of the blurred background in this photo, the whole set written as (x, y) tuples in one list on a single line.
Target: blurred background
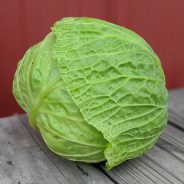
[(25, 22)]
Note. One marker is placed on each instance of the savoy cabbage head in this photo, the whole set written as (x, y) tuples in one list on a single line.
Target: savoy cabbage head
[(95, 90)]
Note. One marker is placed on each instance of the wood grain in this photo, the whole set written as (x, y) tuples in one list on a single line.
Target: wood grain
[(176, 108), (74, 170), (25, 159), (156, 166), (164, 163)]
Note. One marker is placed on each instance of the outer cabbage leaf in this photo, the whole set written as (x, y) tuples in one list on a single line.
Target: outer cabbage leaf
[(116, 80), (40, 90)]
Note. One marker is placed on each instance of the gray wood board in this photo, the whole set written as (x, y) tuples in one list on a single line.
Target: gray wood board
[(24, 159), (162, 164), (176, 107)]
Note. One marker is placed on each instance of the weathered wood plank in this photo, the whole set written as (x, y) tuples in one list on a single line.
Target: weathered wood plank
[(156, 166), (172, 140), (176, 107), (169, 162), (164, 163), (24, 160), (174, 136), (79, 171), (147, 169)]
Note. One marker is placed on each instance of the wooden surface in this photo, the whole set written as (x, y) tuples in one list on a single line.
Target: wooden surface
[(25, 159)]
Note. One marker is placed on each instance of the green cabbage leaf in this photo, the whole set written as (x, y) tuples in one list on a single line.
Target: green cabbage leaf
[(95, 90)]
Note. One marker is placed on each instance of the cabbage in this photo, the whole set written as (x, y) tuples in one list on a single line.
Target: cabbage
[(95, 91)]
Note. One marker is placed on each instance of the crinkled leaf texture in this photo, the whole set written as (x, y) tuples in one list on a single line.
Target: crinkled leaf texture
[(95, 90)]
